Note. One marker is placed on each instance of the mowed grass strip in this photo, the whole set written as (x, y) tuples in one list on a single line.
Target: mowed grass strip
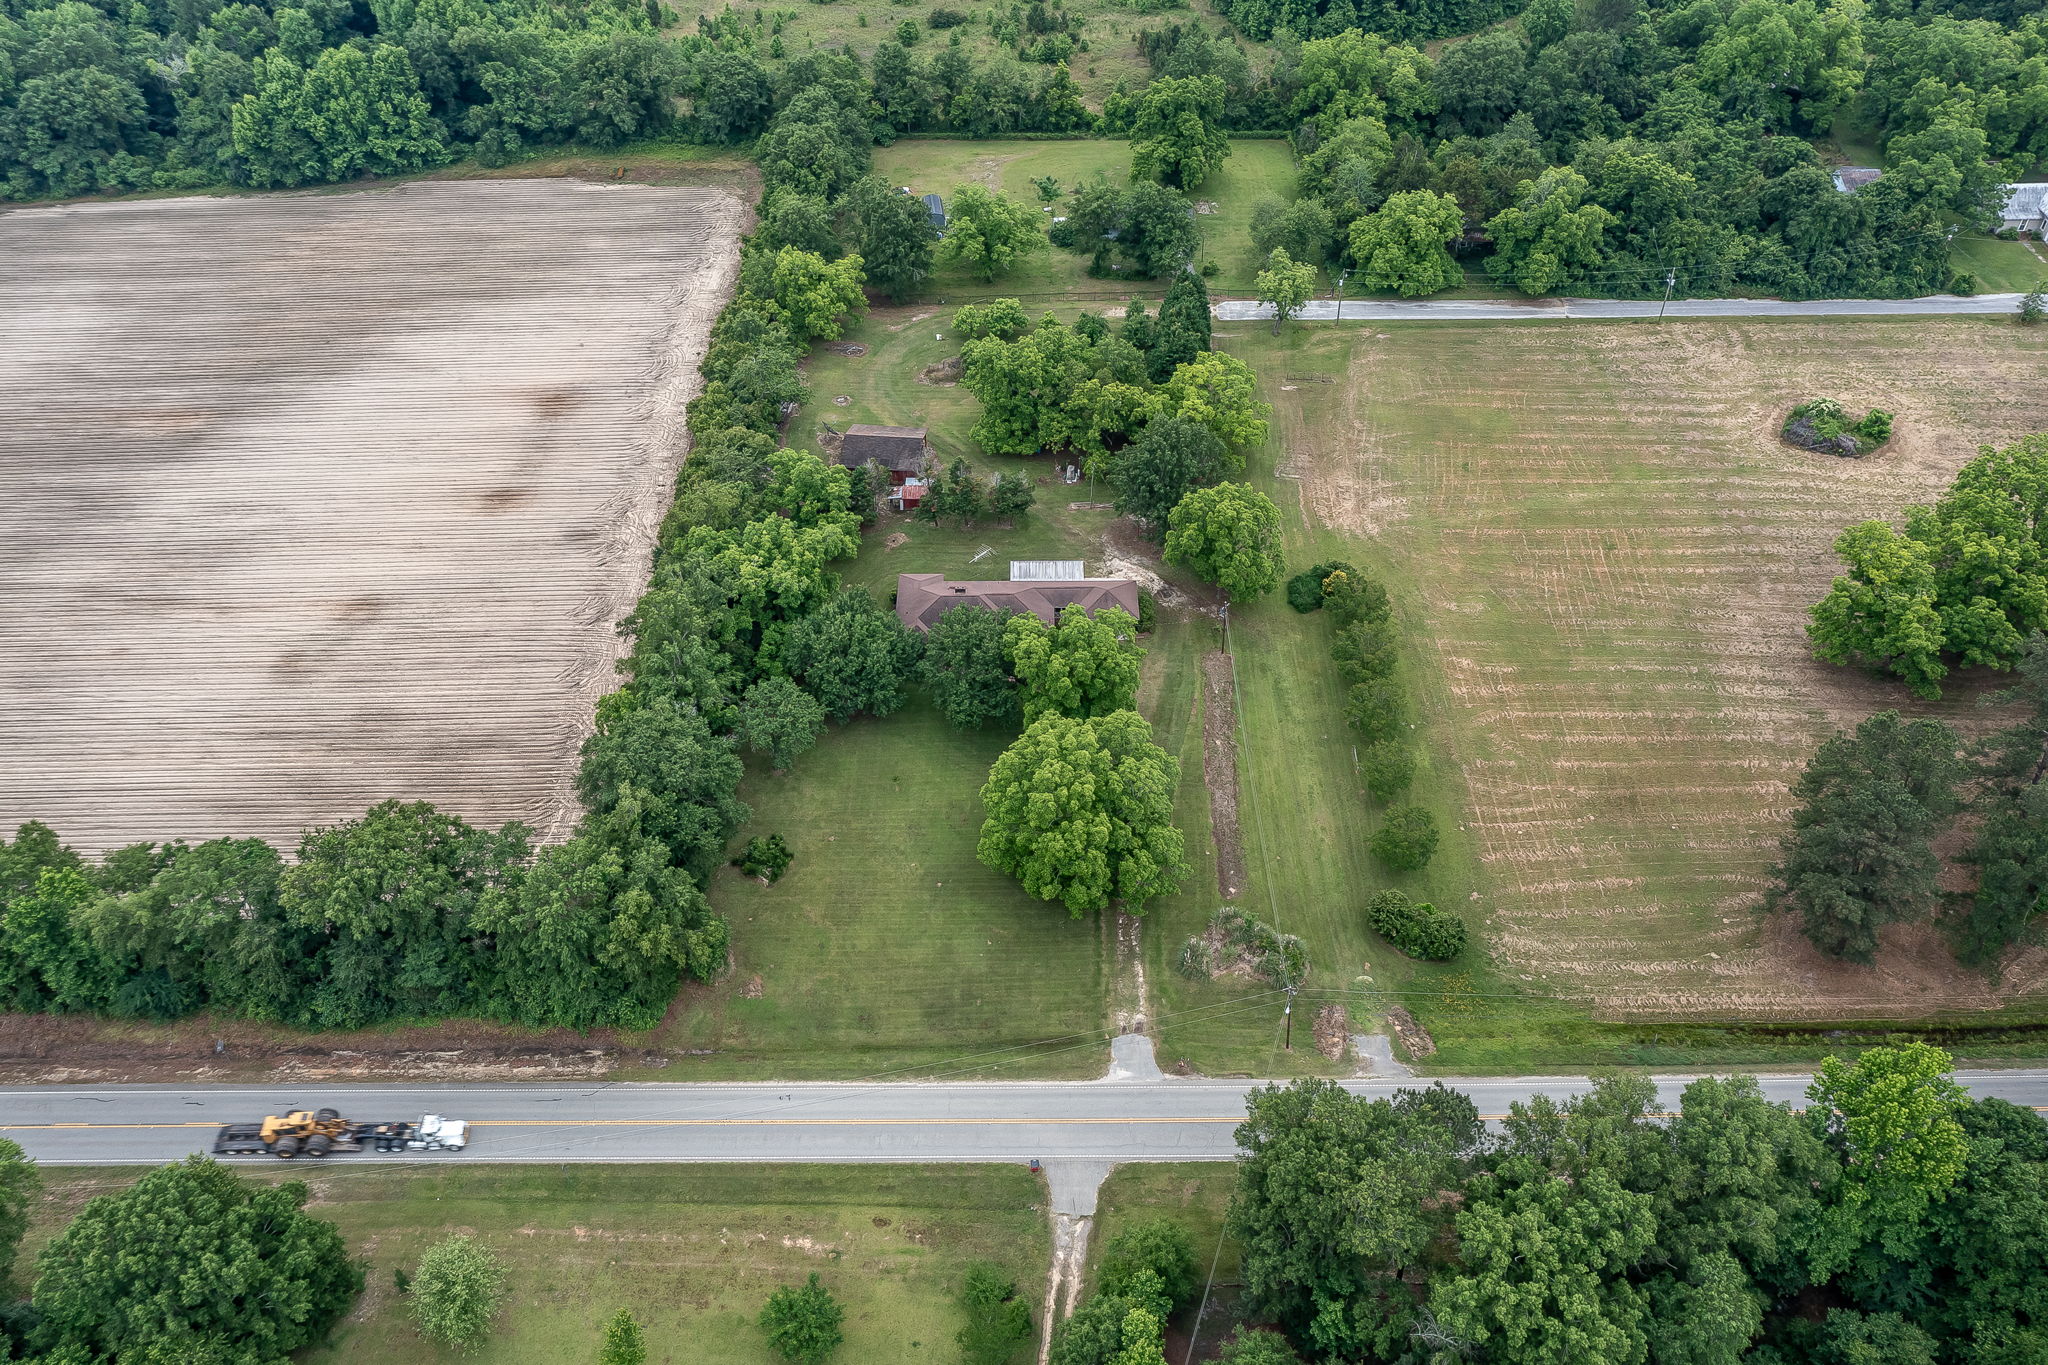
[(1603, 558), (693, 1251)]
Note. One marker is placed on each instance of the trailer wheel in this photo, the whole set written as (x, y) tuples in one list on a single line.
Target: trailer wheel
[(328, 1114), (286, 1148), (319, 1145)]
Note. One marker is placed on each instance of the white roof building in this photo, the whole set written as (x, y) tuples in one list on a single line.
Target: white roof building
[(2026, 206)]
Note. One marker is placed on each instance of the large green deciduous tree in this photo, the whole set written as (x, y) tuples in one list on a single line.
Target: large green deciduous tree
[(1543, 1269), (780, 719), (1882, 611), (389, 902), (897, 238), (682, 776), (1080, 811), (1335, 1203), (1229, 535), (1177, 135), (853, 655), (1859, 854), (988, 231), (966, 668), (1403, 245), (1219, 391), (1171, 456), (1285, 284), (1084, 665), (1892, 1116), (117, 1284), (1549, 235)]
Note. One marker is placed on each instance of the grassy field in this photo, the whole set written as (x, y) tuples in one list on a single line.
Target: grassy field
[(693, 1251), (1602, 558), (1257, 169), (2000, 267)]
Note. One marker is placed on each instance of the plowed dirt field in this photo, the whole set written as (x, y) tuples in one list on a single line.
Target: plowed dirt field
[(315, 500)]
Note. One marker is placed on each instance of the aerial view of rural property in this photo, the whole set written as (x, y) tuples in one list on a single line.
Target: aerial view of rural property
[(1024, 682)]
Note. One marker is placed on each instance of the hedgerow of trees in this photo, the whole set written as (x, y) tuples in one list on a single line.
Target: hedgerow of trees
[(1893, 1219)]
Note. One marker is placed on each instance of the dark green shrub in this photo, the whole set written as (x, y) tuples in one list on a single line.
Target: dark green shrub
[(766, 855), (1417, 928), (1377, 709), (1305, 589), (1148, 612), (1387, 767), (1365, 650), (1351, 596), (802, 1322), (1876, 427), (1407, 841), (1268, 953), (996, 1318), (1160, 1248), (946, 18)]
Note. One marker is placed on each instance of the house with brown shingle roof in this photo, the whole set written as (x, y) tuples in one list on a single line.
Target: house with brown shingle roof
[(922, 598), (900, 450)]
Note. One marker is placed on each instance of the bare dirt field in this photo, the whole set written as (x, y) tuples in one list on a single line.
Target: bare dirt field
[(316, 500), (1606, 557)]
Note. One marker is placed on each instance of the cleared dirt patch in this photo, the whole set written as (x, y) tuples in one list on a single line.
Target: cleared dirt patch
[(1219, 771), (1607, 559), (316, 500)]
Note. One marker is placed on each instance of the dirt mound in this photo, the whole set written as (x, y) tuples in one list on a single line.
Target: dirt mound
[(943, 373), (1413, 1036), (1333, 1031)]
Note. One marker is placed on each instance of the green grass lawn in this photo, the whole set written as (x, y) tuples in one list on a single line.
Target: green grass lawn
[(1257, 169), (2000, 267), (693, 1251)]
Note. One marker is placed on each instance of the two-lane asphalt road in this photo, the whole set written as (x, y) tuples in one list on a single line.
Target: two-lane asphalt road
[(1099, 1121)]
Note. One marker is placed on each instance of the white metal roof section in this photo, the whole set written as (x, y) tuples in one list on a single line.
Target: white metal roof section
[(1046, 570)]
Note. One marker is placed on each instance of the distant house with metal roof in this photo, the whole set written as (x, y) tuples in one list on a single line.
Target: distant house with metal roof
[(2026, 207), (1849, 179), (922, 598), (936, 207), (900, 450)]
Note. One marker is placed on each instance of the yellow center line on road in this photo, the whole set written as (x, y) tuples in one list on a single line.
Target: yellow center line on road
[(746, 1123)]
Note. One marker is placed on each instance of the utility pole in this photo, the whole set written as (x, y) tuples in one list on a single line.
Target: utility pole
[(1670, 279), (1287, 1044)]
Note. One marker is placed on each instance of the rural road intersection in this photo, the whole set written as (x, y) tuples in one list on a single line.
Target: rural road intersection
[(1078, 1128), (1560, 310)]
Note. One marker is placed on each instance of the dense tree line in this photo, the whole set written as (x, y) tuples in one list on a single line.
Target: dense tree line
[(1873, 802), (1893, 1220), (1610, 146), (99, 97)]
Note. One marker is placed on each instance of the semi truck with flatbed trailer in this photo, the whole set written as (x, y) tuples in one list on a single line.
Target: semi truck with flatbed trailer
[(323, 1132)]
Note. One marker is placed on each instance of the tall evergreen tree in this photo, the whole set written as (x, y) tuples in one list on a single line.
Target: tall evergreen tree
[(1860, 852)]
